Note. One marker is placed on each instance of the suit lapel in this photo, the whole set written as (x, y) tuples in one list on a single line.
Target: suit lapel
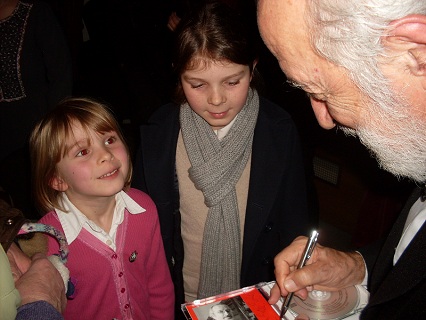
[(389, 282), (408, 272)]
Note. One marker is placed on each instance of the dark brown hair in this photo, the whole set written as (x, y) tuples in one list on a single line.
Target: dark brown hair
[(214, 32)]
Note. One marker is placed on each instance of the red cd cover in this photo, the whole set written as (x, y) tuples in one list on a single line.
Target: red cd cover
[(251, 303), (248, 303)]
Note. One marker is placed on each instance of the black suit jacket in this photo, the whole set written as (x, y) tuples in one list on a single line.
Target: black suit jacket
[(277, 209), (399, 292)]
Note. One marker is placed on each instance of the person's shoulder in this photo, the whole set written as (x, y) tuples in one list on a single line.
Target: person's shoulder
[(165, 112), (136, 194), (163, 122), (50, 217), (140, 197), (272, 109), (39, 6), (42, 15)]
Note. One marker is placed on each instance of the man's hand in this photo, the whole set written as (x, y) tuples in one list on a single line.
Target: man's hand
[(36, 279), (327, 270)]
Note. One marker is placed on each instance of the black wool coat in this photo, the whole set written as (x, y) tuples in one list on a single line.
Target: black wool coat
[(398, 292), (277, 209)]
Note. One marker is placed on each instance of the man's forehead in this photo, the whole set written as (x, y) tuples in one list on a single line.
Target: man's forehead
[(286, 32), (281, 24), (284, 11)]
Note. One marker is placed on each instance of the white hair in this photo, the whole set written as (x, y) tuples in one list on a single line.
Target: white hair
[(349, 32)]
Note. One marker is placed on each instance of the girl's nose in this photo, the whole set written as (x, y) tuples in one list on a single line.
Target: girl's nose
[(216, 97), (106, 155)]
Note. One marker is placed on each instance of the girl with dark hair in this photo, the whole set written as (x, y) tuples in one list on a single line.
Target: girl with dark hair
[(223, 165)]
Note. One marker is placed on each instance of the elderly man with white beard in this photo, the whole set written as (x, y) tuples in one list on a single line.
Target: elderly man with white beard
[(363, 65)]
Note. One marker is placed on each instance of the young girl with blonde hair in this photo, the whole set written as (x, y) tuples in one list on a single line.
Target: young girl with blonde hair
[(81, 171)]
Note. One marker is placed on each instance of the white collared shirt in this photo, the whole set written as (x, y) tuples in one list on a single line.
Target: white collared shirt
[(74, 220), (416, 218), (222, 132)]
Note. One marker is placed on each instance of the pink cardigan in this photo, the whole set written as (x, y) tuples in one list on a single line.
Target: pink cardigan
[(108, 284)]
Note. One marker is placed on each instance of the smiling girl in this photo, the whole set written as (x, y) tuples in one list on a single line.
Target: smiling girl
[(81, 175)]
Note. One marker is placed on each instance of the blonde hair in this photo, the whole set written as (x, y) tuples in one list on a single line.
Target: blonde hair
[(47, 143)]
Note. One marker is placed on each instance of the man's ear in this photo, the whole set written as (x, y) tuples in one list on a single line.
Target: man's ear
[(412, 30), (58, 184)]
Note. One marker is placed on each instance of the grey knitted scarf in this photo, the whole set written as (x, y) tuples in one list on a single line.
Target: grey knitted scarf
[(216, 167)]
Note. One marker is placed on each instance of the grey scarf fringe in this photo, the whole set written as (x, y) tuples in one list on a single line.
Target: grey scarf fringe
[(216, 167)]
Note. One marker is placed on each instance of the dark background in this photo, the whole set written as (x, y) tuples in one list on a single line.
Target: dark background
[(121, 55)]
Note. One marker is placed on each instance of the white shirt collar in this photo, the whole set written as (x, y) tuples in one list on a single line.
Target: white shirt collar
[(74, 220), (415, 220), (221, 133)]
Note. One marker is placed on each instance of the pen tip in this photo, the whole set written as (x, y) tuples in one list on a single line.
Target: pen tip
[(283, 312)]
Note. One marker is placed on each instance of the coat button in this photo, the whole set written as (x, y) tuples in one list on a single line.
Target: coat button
[(268, 227)]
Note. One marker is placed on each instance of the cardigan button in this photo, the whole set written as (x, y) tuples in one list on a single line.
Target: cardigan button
[(268, 227)]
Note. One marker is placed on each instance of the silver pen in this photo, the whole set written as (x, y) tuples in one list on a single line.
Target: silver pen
[(309, 248)]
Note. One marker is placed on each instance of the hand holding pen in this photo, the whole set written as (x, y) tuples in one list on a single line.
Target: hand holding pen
[(309, 248), (328, 270)]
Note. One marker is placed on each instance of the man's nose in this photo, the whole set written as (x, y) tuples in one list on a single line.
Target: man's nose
[(320, 109)]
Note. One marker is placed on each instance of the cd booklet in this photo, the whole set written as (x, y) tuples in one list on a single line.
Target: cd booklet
[(251, 303)]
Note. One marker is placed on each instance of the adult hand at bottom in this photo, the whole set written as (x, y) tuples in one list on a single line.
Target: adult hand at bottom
[(37, 279), (327, 269)]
